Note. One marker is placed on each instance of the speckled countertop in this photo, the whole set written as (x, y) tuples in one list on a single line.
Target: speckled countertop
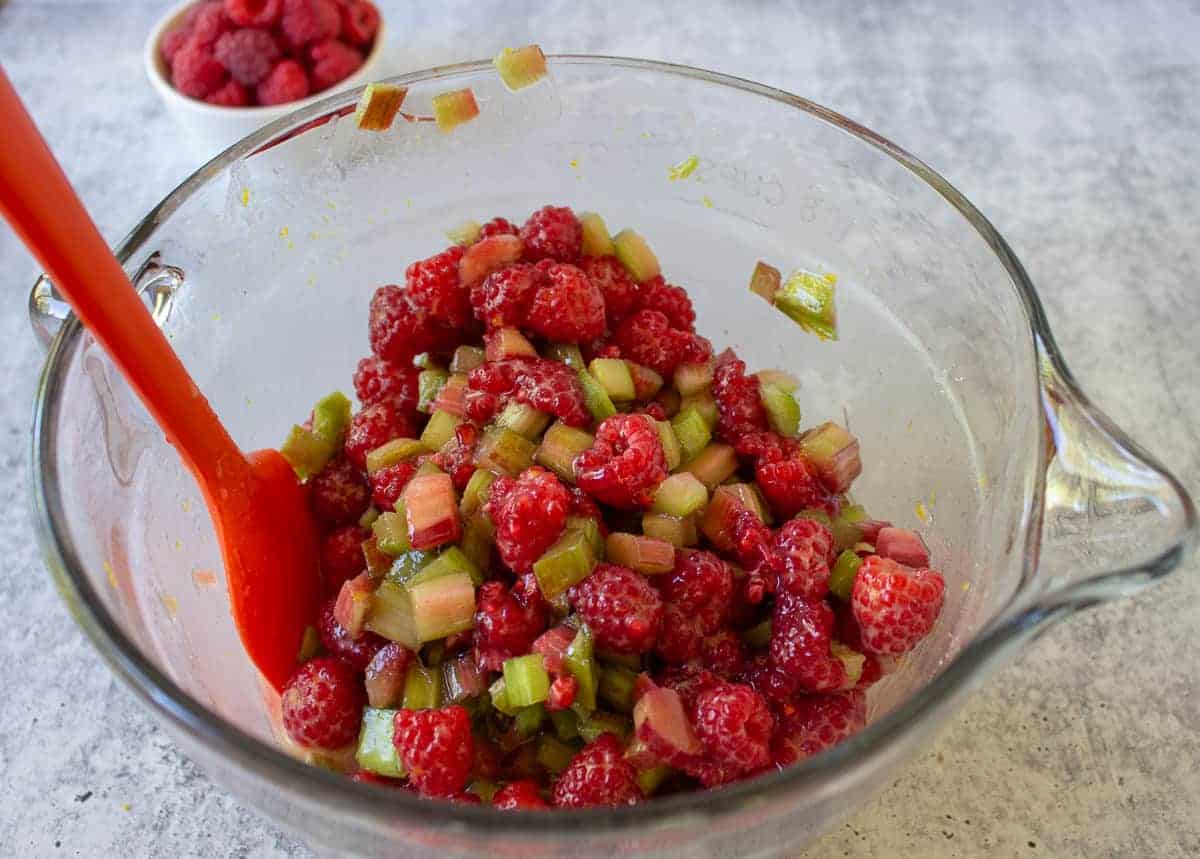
[(1074, 125)]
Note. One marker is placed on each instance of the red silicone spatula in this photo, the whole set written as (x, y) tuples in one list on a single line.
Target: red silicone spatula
[(268, 538)]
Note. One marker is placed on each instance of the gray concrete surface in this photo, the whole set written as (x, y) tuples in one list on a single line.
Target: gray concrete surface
[(1073, 125)]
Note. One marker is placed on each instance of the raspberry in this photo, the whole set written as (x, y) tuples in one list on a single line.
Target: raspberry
[(790, 486), (847, 632), (772, 683), (598, 775), (547, 386), (800, 559), (585, 508), (432, 285), (801, 632), (723, 653), (339, 493), (646, 337), (680, 638), (376, 425), (812, 723), (622, 609), (702, 585), (562, 693), (254, 13), (437, 748), (249, 55), (752, 541), (625, 463), (614, 283), (529, 514), (895, 606), (735, 725), (693, 349), (206, 22), (688, 682), (671, 301), (286, 82), (503, 627), (739, 407), (342, 556), (387, 484), (360, 21), (354, 652), (195, 71), (498, 227), (322, 704), (308, 21), (502, 298), (766, 447), (567, 308), (379, 381), (172, 41), (457, 457), (231, 94), (400, 331), (332, 61), (656, 411), (519, 794), (552, 233)]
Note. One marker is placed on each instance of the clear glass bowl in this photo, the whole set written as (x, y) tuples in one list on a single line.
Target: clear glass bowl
[(260, 268)]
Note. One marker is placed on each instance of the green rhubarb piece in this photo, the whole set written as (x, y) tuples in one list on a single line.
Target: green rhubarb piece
[(477, 540), (808, 300), (595, 397), (433, 654), (714, 465), (692, 431), (520, 67), (567, 562), (528, 721), (553, 755), (466, 233), (391, 533), (677, 531), (633, 252), (644, 555), (395, 451), (693, 379), (453, 690), (498, 692), (841, 577), (306, 452), (600, 723), (452, 109), (526, 680), (851, 660), (566, 724), (616, 687), (672, 452), (632, 661), (680, 495), (310, 644), (590, 529), (783, 412), (367, 519), (704, 404), (560, 445), (652, 779), (816, 515), (765, 281), (596, 240), (426, 468), (759, 635), (452, 560), (846, 531), (376, 751), (749, 496), (422, 688), (466, 359), (378, 562), (484, 789), (330, 417), (523, 419), (426, 361), (505, 452), (579, 659), (378, 106), (416, 613), (614, 376), (779, 379), (475, 495), (429, 384), (566, 353), (440, 429)]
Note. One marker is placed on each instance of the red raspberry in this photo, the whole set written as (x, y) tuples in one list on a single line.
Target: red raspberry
[(646, 337), (503, 627), (801, 557), (519, 794), (562, 692), (766, 447), (801, 632), (432, 285), (585, 508), (848, 633), (812, 723), (772, 683), (331, 62), (379, 381), (598, 775), (360, 21), (702, 585), (680, 638), (548, 386), (790, 486), (335, 638), (437, 748), (498, 227), (206, 22), (195, 71), (231, 94), (322, 704), (567, 307), (622, 609), (672, 301), (254, 13), (552, 233), (723, 653), (625, 463), (529, 514), (400, 330), (286, 82), (172, 41), (387, 484), (895, 606), (376, 425), (614, 283), (693, 348), (308, 21), (655, 410), (739, 407), (688, 682), (342, 556), (457, 457), (502, 298), (339, 493), (735, 725), (249, 55)]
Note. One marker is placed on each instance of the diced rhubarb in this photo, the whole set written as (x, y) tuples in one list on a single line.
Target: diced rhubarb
[(645, 555), (353, 602), (616, 687), (378, 106), (330, 417), (528, 721), (566, 353), (466, 359), (523, 419), (391, 534), (521, 67), (395, 451), (596, 240), (452, 398), (646, 382), (705, 406), (719, 518), (451, 561), (714, 465), (462, 679), (560, 445), (870, 528), (650, 780), (439, 430), (567, 562), (590, 528), (487, 256), (661, 723), (432, 511), (376, 752), (672, 450), (475, 495), (843, 573), (679, 532), (310, 644), (306, 452), (553, 755), (633, 253), (750, 498), (808, 299), (552, 645), (765, 281), (384, 677), (452, 109), (614, 376), (783, 412), (833, 451), (465, 234), (851, 660), (902, 546), (668, 400), (505, 452), (580, 662), (693, 378), (498, 692), (378, 562), (502, 343), (526, 680), (597, 400), (429, 384), (692, 431), (779, 379), (680, 494), (424, 612), (845, 526), (477, 539), (422, 688), (759, 635), (368, 517)]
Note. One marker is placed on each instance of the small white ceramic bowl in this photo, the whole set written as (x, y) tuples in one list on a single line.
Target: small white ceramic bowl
[(210, 128)]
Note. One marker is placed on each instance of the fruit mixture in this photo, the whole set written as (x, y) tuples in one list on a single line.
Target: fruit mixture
[(572, 556), (240, 53)]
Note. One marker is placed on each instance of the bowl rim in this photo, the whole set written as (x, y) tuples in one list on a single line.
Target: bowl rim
[(822, 775), (155, 67)]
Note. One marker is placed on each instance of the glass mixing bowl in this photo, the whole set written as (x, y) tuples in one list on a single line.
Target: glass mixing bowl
[(260, 268)]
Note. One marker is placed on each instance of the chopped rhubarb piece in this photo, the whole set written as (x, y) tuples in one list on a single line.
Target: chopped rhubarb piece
[(465, 234), (523, 419), (432, 511), (580, 662), (378, 106), (661, 723), (330, 417), (845, 526), (375, 751), (353, 602), (597, 400), (765, 281), (841, 577), (553, 755), (590, 528), (478, 537), (614, 376), (391, 533), (567, 562), (713, 465), (310, 645), (750, 498), (498, 692), (487, 256), (680, 495), (378, 562), (720, 516), (693, 379), (395, 451), (452, 109), (452, 398), (704, 404), (644, 555), (505, 343), (833, 451), (672, 450), (902, 546), (646, 382), (633, 252), (783, 411), (560, 445), (429, 384), (566, 353), (466, 359), (439, 430), (306, 452), (521, 67), (385, 674), (475, 495), (617, 687), (808, 300), (451, 561), (552, 645), (779, 379), (526, 681), (424, 612), (462, 679), (679, 532), (692, 431), (505, 452), (851, 660), (759, 635), (527, 722), (650, 780), (870, 528), (596, 240), (422, 688)]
